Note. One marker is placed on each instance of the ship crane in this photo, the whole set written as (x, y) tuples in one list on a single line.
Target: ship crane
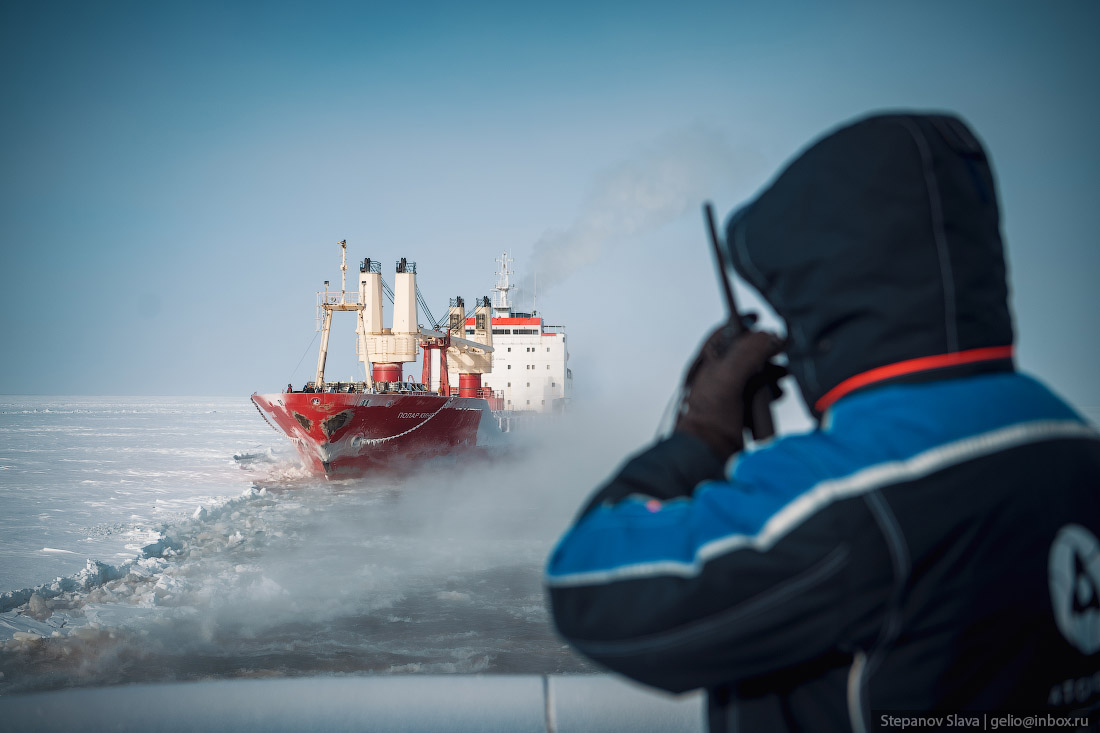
[(469, 358), (383, 350)]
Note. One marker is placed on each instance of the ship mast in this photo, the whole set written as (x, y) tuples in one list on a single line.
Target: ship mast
[(327, 304)]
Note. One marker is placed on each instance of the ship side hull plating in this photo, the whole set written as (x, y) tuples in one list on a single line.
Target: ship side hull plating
[(351, 434)]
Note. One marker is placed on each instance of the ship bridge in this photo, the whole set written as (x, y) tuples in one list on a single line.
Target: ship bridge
[(531, 357)]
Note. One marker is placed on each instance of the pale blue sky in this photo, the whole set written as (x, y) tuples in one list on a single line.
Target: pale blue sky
[(176, 175)]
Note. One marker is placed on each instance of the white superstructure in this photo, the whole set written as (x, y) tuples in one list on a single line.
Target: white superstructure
[(530, 357)]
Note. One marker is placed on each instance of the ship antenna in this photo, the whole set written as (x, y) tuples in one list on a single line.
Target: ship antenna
[(343, 269), (502, 300)]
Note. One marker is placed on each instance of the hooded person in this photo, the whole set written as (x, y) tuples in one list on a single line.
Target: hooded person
[(930, 546)]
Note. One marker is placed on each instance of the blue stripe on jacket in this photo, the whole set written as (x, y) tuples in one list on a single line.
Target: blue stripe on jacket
[(642, 537)]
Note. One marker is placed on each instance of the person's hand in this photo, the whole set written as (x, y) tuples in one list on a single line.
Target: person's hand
[(715, 407)]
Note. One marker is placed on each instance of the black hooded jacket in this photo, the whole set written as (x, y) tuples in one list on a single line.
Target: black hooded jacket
[(880, 245), (932, 545)]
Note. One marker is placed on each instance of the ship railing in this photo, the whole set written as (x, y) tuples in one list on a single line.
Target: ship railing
[(495, 399), (363, 388), (334, 298), (401, 387), (334, 387)]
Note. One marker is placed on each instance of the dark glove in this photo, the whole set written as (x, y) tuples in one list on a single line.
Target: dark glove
[(721, 384)]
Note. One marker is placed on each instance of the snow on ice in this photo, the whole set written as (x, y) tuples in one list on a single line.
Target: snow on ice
[(246, 566)]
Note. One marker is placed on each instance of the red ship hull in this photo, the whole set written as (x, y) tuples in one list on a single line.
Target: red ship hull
[(350, 434)]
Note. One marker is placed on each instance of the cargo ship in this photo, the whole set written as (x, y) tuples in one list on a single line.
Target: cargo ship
[(483, 373), (351, 428)]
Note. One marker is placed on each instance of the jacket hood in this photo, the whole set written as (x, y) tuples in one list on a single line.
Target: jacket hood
[(880, 247)]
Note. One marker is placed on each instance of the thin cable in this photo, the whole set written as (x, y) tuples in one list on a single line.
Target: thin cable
[(427, 311), (303, 357)]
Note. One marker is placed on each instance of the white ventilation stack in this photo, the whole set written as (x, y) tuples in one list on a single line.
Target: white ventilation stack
[(404, 300), (370, 295), (456, 317), (370, 317)]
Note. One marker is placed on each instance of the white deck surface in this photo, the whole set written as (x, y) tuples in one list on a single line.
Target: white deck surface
[(447, 704)]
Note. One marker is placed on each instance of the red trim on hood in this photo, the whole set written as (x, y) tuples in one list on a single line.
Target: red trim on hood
[(911, 366)]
